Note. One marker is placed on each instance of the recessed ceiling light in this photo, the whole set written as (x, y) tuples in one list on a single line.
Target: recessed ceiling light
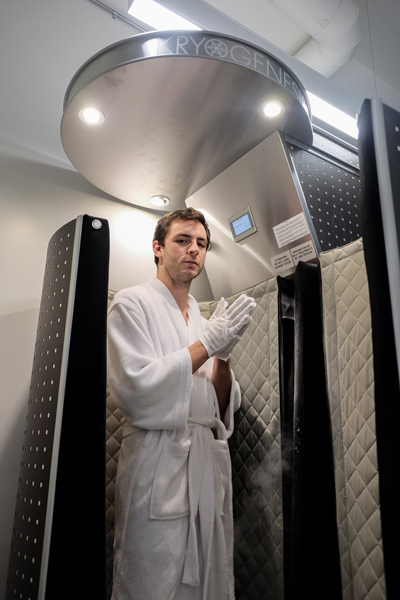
[(272, 109), (158, 16), (93, 116), (159, 200)]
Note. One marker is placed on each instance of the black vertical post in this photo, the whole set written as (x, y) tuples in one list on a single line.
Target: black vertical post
[(59, 542)]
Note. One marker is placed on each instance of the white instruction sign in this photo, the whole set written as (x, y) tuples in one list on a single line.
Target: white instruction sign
[(282, 261), (291, 230), (303, 252)]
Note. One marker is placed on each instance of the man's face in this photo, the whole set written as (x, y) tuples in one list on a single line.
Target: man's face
[(182, 257)]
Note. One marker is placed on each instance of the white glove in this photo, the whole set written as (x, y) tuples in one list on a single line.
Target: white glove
[(226, 324), (221, 308), (225, 353)]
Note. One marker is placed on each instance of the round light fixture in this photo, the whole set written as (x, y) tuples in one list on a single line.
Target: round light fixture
[(272, 109), (92, 116), (159, 200)]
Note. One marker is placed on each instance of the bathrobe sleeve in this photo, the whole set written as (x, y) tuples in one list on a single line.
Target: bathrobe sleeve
[(152, 387)]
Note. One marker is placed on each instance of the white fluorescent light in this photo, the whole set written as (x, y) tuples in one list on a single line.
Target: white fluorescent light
[(158, 16), (328, 113)]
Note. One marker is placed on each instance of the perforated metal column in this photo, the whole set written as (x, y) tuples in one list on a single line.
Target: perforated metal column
[(329, 177), (43, 563)]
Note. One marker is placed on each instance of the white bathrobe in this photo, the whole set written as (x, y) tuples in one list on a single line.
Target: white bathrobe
[(174, 526)]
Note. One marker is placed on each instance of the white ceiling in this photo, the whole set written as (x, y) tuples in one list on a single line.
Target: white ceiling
[(373, 71), (43, 43)]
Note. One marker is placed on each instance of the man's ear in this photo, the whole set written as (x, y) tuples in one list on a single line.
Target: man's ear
[(157, 249)]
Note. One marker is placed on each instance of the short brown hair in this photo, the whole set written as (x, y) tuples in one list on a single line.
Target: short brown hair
[(186, 214)]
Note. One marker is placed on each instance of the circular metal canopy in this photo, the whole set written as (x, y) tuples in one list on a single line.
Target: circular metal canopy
[(177, 108)]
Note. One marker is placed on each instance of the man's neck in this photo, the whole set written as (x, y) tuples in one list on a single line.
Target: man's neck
[(180, 291)]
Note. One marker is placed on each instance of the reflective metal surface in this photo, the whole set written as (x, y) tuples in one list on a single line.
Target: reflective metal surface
[(179, 108), (263, 180)]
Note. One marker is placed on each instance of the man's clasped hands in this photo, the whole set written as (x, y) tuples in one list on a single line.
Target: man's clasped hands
[(227, 325)]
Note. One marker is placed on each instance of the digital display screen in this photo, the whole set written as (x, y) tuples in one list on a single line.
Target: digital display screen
[(242, 224)]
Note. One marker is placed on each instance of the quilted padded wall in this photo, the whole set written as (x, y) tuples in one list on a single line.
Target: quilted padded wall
[(256, 452), (349, 363), (113, 445)]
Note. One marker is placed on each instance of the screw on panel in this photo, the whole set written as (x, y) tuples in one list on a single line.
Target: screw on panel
[(97, 224)]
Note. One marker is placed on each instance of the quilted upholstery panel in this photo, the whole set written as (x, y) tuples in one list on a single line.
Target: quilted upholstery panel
[(207, 308), (113, 445), (256, 452), (349, 362)]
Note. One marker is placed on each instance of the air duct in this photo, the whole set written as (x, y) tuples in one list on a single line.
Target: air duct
[(335, 27)]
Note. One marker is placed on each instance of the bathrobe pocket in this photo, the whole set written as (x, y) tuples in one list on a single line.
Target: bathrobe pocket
[(220, 462), (170, 494)]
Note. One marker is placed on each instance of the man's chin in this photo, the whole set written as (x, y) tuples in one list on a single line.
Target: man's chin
[(192, 273)]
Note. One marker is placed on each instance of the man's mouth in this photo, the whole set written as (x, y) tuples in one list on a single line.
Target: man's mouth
[(191, 262)]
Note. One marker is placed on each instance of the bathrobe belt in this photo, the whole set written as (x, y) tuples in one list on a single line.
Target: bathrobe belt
[(204, 498)]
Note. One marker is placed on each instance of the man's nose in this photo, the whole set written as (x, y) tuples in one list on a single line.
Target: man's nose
[(194, 249)]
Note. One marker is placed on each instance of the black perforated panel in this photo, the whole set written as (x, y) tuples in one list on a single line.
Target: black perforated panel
[(59, 540), (332, 194), (336, 151), (35, 471)]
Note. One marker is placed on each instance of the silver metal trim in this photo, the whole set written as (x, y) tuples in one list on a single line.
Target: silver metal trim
[(324, 155), (388, 215), (130, 50), (60, 406), (334, 138), (296, 180)]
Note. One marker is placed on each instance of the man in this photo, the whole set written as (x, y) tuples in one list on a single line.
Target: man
[(174, 528)]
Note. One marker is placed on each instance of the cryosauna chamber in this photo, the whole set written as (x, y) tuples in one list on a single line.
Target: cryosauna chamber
[(290, 212), (182, 118)]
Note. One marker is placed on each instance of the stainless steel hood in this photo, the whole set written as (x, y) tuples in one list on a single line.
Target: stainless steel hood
[(264, 181), (179, 108)]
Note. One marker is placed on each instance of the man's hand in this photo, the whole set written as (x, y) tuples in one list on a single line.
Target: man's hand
[(227, 325)]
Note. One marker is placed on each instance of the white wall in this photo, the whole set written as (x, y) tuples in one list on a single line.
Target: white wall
[(36, 199)]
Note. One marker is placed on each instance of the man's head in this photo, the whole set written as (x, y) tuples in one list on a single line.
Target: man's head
[(180, 243), (164, 225)]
